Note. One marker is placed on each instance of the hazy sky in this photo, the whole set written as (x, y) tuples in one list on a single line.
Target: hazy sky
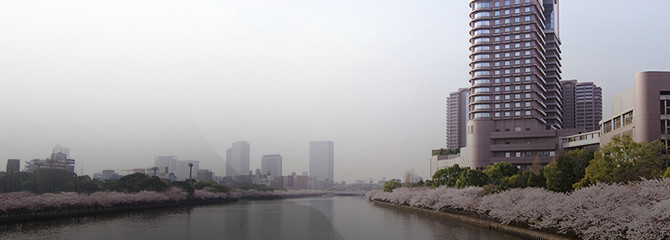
[(120, 82)]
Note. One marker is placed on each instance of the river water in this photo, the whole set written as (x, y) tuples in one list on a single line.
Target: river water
[(307, 218)]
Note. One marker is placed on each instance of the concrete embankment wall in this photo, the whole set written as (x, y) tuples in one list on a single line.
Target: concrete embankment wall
[(492, 225)]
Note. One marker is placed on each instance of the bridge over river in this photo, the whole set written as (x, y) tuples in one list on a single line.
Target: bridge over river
[(354, 189)]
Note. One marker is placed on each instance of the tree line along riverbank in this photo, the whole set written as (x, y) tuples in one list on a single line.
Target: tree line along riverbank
[(617, 192), (638, 210), (18, 207), (54, 193)]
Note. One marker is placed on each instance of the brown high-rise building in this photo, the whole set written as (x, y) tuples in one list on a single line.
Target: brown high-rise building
[(515, 93), (641, 112), (582, 105), (457, 117)]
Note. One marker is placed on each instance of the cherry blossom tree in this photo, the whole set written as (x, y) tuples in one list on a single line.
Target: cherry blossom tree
[(639, 210)]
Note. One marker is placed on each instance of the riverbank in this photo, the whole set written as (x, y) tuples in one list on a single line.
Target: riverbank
[(480, 222), (73, 212), (336, 218), (638, 210), (23, 207)]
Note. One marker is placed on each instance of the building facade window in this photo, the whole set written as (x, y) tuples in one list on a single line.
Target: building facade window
[(627, 118), (481, 90), (481, 5), (481, 115)]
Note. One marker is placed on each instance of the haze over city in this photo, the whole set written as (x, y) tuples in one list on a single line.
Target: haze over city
[(122, 82)]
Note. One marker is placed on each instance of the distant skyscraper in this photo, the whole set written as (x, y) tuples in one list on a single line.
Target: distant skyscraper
[(457, 118), (582, 105), (166, 165), (273, 164), (321, 161), (13, 165), (237, 159)]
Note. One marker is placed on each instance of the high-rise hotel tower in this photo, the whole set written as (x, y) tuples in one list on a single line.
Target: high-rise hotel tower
[(515, 107)]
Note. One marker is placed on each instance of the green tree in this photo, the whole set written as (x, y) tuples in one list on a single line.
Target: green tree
[(13, 182), (52, 181), (500, 170), (428, 183), (569, 169), (391, 184), (443, 151), (447, 176), (211, 186), (137, 182), (152, 183), (667, 173), (535, 180), (89, 186), (514, 181), (131, 183), (624, 160), (185, 186), (470, 177)]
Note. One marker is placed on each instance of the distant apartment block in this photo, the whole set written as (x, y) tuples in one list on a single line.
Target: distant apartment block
[(261, 178), (237, 159), (292, 181), (60, 159), (271, 165), (582, 105), (106, 175), (165, 166), (13, 165), (321, 157), (205, 175), (457, 118)]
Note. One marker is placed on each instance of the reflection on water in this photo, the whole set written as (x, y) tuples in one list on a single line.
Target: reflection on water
[(309, 218)]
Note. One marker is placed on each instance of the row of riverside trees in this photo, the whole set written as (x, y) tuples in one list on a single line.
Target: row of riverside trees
[(56, 181), (621, 161)]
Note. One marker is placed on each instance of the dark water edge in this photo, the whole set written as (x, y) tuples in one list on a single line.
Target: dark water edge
[(481, 221), (309, 218), (74, 212)]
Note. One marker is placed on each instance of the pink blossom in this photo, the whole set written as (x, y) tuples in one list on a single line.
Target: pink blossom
[(640, 210)]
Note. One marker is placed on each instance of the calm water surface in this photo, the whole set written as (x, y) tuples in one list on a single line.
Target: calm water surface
[(308, 218)]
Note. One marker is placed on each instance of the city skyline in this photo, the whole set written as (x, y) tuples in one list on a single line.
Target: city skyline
[(171, 79)]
